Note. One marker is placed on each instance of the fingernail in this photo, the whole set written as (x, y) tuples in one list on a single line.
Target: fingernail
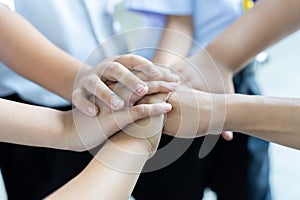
[(141, 89), (229, 135), (92, 110), (117, 103), (166, 106)]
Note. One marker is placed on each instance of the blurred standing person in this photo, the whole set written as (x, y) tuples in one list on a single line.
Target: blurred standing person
[(238, 169), (77, 27)]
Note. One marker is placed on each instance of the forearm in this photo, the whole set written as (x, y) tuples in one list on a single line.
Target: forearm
[(204, 74), (272, 119), (266, 23), (31, 125), (175, 41), (99, 180), (31, 55), (113, 172)]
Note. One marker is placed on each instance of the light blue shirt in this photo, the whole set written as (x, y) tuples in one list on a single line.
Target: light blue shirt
[(211, 17), (76, 26)]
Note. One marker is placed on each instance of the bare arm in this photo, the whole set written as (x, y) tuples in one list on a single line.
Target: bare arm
[(99, 181), (113, 172), (176, 38), (31, 55), (269, 118), (272, 119), (268, 22), (39, 126), (46, 127)]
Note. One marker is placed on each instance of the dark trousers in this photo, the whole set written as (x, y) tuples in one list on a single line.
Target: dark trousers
[(32, 172), (235, 170)]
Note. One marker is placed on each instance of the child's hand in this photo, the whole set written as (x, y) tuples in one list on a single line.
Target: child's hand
[(135, 143), (192, 112), (85, 132), (121, 70)]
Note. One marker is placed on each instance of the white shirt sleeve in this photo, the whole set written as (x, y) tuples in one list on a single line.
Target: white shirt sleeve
[(9, 3), (165, 7)]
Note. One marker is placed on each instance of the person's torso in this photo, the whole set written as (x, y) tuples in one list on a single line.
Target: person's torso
[(76, 27), (212, 17)]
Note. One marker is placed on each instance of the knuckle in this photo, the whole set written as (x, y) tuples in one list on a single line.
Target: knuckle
[(77, 95), (156, 109), (99, 67), (130, 57), (164, 69), (91, 82), (109, 68), (104, 96), (140, 111), (117, 70), (130, 79)]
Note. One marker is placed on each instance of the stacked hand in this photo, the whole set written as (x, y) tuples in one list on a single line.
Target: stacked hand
[(124, 85), (201, 72), (130, 79), (130, 71)]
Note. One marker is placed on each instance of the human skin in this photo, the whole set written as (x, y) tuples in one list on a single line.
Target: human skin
[(115, 167), (270, 118), (31, 55), (265, 24), (119, 162), (113, 172), (44, 127), (198, 72)]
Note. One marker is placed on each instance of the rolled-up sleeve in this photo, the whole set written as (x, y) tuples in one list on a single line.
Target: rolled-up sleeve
[(165, 7)]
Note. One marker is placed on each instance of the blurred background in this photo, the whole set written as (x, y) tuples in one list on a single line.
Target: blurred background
[(278, 75)]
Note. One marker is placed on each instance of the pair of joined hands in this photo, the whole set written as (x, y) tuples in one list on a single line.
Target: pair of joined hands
[(129, 88)]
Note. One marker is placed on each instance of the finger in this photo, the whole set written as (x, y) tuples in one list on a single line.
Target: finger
[(227, 135), (166, 74), (123, 118), (80, 101), (96, 87), (151, 71), (131, 61), (128, 96), (141, 76), (154, 87), (161, 86), (162, 74), (117, 72), (146, 110), (154, 98)]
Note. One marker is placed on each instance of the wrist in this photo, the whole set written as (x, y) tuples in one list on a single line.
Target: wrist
[(69, 137), (211, 109), (123, 153), (144, 136)]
